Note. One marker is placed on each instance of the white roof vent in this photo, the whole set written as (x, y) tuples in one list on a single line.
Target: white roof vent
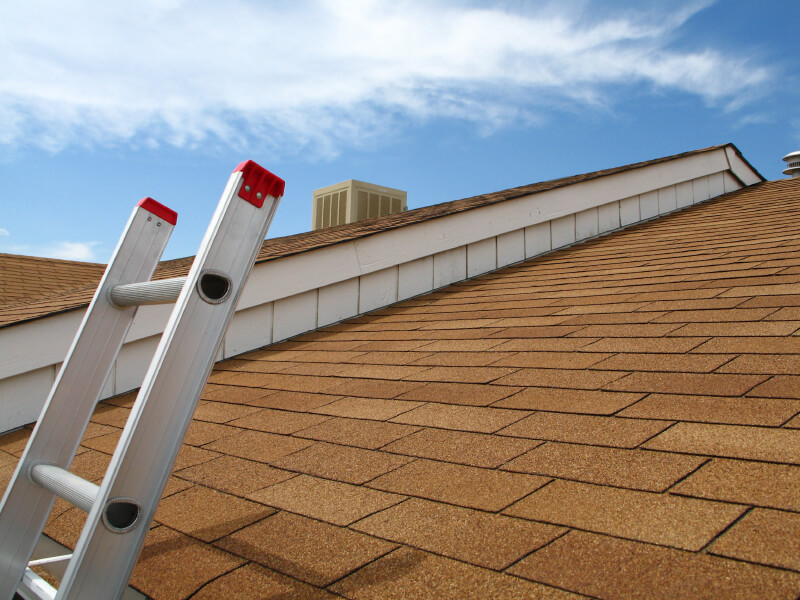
[(793, 167)]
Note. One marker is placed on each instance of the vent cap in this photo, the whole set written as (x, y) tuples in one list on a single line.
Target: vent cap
[(793, 166)]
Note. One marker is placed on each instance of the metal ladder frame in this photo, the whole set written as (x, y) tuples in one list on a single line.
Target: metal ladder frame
[(121, 508)]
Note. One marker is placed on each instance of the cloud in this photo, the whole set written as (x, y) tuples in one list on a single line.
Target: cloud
[(82, 251), (3, 231), (316, 75)]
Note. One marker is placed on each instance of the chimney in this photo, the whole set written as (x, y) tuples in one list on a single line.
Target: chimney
[(793, 164)]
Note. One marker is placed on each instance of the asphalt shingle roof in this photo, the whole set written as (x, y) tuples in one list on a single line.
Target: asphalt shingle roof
[(616, 419)]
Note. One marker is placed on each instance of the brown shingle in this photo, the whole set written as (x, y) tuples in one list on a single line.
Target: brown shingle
[(240, 584), (331, 501), (656, 518), (207, 514), (769, 537), (687, 383), (161, 571), (474, 449), (734, 441), (342, 463), (459, 393), (486, 540), (471, 487), (309, 550), (586, 429), (606, 567), (234, 475), (714, 409), (575, 401), (259, 446), (357, 432), (278, 421), (779, 386), (366, 408), (407, 573), (638, 469), (464, 418), (745, 482)]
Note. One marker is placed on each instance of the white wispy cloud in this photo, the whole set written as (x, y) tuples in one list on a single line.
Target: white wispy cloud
[(82, 251), (319, 74), (3, 231)]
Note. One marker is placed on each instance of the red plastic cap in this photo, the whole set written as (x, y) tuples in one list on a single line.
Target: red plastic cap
[(258, 183), (159, 210)]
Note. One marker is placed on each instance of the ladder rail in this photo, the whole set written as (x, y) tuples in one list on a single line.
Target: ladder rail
[(68, 408), (108, 547)]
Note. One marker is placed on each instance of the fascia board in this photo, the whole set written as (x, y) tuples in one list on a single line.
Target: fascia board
[(743, 171), (388, 248)]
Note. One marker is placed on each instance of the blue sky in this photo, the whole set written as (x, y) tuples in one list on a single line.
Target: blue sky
[(102, 103)]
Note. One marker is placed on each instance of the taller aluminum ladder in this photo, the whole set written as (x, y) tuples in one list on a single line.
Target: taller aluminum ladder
[(122, 507)]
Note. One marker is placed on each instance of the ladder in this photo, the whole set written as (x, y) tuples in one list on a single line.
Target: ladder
[(121, 508)]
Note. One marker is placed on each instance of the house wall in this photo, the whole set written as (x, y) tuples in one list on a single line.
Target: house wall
[(294, 294)]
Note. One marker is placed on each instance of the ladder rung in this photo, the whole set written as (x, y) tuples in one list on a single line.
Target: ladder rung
[(162, 291), (34, 587), (50, 560), (75, 490)]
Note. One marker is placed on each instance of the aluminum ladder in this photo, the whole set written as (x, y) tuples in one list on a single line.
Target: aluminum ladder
[(121, 508)]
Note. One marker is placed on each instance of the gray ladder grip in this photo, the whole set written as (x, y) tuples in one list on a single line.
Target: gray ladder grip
[(163, 291), (75, 490)]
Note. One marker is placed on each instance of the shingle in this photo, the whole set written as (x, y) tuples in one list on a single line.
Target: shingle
[(752, 345), (460, 375), (378, 409), (200, 433), (464, 418), (656, 518), (734, 441), (769, 537), (278, 421), (314, 552), (331, 501), (574, 401), (687, 383), (645, 344), (714, 409), (357, 432), (665, 362), (779, 386), (484, 489), (373, 388), (240, 584), (745, 482), (459, 393), (234, 475), (638, 469), (482, 539), (341, 463), (207, 514), (586, 429), (551, 360), (773, 364), (475, 449), (161, 570), (221, 412), (407, 573), (561, 378), (606, 567), (259, 446)]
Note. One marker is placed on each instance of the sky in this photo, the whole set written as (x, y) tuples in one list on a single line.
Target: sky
[(103, 103)]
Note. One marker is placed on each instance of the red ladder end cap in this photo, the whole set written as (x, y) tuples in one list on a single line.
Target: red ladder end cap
[(258, 183), (159, 210)]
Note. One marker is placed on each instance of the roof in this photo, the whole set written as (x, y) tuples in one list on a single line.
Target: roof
[(27, 278), (616, 419), (79, 296)]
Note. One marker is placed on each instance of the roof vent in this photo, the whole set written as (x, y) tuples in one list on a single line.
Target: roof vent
[(352, 201), (793, 160)]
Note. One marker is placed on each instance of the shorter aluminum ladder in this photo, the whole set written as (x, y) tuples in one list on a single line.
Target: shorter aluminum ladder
[(121, 508)]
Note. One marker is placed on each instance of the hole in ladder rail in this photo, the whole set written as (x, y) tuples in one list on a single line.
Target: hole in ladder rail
[(214, 287), (121, 514)]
